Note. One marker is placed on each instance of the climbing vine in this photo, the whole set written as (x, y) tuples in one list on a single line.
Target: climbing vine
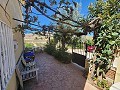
[(107, 35)]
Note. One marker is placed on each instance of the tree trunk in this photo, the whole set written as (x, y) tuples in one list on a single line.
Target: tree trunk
[(63, 41), (48, 37)]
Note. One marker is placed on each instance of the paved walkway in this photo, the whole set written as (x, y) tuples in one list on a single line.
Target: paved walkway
[(54, 75)]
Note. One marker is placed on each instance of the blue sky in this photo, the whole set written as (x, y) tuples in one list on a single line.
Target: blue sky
[(83, 11), (85, 4)]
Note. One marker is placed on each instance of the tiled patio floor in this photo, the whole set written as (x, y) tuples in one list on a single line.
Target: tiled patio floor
[(54, 75)]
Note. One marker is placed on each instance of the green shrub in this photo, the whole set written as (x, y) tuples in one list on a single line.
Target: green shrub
[(29, 45), (90, 42), (62, 56), (59, 54), (50, 49)]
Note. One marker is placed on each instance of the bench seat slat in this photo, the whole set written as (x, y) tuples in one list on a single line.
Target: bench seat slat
[(29, 71), (29, 78)]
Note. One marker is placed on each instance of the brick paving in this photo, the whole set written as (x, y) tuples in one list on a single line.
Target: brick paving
[(54, 75)]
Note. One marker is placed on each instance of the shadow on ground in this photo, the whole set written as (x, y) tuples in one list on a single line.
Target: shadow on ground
[(53, 75)]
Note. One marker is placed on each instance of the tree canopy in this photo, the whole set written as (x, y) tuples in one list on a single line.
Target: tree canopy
[(54, 6)]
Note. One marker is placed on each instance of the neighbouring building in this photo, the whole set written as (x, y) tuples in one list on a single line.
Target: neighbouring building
[(11, 43)]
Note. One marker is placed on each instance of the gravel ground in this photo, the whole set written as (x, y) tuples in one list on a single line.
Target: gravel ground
[(54, 75)]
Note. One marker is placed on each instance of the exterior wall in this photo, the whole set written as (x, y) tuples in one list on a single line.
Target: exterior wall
[(117, 76), (13, 83), (13, 10)]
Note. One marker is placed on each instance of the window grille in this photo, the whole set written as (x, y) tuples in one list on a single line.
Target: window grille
[(7, 57)]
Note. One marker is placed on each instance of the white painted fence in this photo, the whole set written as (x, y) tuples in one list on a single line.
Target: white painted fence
[(82, 52), (89, 55), (7, 57)]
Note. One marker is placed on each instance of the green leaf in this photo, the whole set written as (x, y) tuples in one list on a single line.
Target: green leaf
[(108, 36), (109, 52), (104, 34), (97, 43), (104, 51), (115, 34), (103, 58), (107, 46), (110, 27), (110, 57), (111, 42)]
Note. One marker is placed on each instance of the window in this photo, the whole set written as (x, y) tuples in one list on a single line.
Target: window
[(7, 57)]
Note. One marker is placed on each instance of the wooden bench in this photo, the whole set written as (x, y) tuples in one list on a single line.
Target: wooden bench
[(26, 71)]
